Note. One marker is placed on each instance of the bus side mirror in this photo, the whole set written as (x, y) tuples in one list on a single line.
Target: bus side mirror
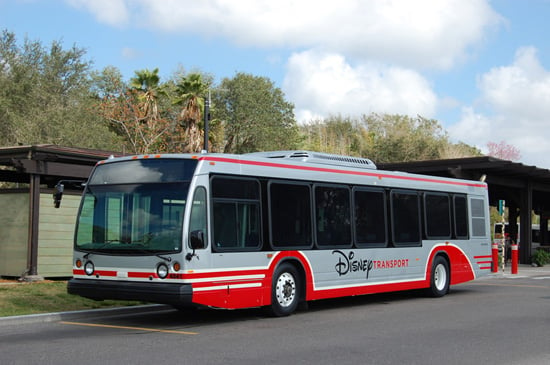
[(197, 240), (58, 194)]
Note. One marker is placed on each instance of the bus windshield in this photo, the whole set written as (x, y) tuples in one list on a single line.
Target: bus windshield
[(141, 217)]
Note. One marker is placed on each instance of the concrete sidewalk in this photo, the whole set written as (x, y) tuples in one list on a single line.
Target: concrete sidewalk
[(523, 271)]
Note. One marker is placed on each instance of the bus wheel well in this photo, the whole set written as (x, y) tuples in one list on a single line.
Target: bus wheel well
[(446, 257)]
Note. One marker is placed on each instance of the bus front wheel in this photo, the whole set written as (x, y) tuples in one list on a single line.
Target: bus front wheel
[(285, 291), (440, 277)]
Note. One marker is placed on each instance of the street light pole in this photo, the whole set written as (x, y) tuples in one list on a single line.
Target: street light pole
[(206, 122)]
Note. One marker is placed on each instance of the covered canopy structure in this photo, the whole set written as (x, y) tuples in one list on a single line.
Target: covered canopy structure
[(524, 189), (35, 239)]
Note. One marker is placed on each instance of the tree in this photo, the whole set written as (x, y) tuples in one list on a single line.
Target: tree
[(45, 96), (135, 113), (191, 91), (255, 115), (399, 138), (335, 134), (503, 151), (383, 138)]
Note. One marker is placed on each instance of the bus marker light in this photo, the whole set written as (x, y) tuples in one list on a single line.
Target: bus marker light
[(89, 268), (78, 263), (269, 255), (176, 266)]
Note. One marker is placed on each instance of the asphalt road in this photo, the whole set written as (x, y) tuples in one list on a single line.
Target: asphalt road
[(495, 320)]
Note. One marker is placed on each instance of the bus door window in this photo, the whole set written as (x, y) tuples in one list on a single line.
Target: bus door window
[(198, 221)]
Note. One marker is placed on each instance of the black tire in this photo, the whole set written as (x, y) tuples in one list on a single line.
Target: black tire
[(285, 291), (440, 277)]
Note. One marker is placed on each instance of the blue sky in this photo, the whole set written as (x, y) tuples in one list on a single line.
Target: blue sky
[(481, 68)]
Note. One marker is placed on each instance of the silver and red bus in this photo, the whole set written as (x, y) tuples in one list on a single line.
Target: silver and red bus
[(272, 229)]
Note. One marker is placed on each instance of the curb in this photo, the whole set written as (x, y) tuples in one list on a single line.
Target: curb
[(524, 271), (88, 314)]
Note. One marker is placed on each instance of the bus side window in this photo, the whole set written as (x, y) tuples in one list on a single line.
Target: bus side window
[(478, 217), (370, 218), (198, 221), (290, 215), (405, 213), (437, 215), (332, 216), (236, 213)]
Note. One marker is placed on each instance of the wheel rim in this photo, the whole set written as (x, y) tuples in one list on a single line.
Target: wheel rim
[(440, 277), (285, 290)]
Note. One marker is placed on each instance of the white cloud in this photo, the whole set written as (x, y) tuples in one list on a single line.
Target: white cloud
[(520, 90), (321, 84), (420, 33), (516, 104), (111, 12)]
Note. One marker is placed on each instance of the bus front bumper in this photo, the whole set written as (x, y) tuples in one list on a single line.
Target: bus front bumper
[(174, 294)]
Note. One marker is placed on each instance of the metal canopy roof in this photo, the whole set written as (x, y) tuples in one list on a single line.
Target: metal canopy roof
[(51, 162), (506, 179)]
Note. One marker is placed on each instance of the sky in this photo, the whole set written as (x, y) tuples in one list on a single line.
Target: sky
[(479, 67)]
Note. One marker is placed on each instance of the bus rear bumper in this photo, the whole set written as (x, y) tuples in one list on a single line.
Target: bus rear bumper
[(174, 294)]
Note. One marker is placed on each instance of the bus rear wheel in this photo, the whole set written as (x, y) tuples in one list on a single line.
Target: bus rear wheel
[(440, 277), (285, 291)]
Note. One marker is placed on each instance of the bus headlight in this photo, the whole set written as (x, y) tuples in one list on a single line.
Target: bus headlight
[(162, 271), (89, 268)]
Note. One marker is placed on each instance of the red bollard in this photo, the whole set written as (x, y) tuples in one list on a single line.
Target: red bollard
[(494, 248), (514, 259)]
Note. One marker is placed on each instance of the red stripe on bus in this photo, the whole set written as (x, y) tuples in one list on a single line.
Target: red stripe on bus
[(216, 274), (337, 171)]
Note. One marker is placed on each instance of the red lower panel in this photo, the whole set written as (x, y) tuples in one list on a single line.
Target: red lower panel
[(230, 298)]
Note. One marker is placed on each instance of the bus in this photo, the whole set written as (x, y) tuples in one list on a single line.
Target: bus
[(273, 230)]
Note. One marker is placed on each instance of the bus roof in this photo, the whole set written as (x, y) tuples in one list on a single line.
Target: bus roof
[(302, 164)]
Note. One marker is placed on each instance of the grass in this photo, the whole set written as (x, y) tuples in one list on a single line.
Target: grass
[(45, 297)]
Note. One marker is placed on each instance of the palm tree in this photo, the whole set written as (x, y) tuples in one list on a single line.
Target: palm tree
[(146, 84), (149, 126), (190, 95)]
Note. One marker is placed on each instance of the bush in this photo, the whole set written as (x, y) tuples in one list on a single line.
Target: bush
[(541, 257)]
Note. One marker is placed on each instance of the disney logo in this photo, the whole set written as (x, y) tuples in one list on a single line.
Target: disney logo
[(347, 263)]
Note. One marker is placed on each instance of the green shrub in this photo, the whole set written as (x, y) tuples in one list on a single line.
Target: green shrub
[(541, 257)]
